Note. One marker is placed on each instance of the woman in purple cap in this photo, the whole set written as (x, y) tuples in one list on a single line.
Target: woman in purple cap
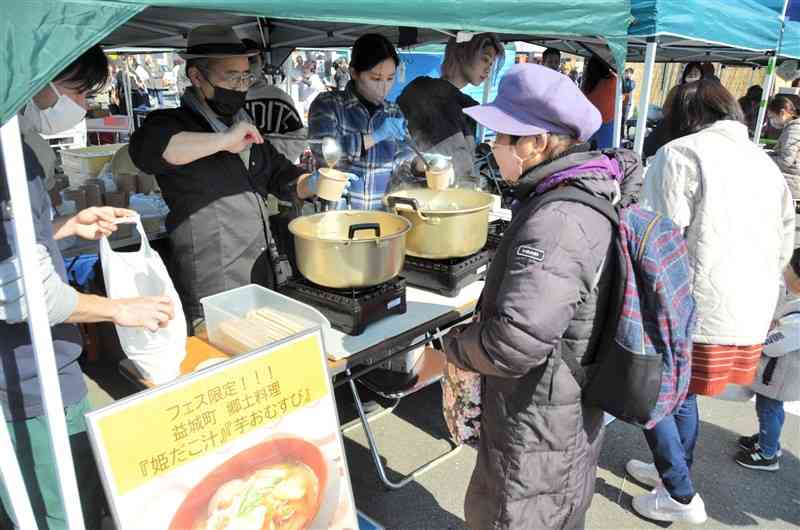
[(543, 307)]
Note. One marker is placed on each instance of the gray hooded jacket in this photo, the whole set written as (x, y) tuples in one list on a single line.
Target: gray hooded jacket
[(546, 292)]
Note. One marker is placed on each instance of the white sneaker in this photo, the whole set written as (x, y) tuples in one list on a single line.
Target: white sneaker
[(646, 474), (659, 506)]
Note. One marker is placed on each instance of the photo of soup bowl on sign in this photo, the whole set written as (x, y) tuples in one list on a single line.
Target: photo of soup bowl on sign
[(279, 484)]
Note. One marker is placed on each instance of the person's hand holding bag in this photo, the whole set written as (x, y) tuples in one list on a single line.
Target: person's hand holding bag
[(149, 312), (65, 304), (93, 223)]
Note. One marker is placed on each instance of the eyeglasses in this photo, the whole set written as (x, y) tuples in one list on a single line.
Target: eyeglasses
[(245, 80)]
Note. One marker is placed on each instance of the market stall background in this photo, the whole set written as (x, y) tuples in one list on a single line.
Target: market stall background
[(42, 36)]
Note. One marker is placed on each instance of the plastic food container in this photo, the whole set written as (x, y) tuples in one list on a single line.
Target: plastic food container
[(232, 306), (331, 184), (86, 162)]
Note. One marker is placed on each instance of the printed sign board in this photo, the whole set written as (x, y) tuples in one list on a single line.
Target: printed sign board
[(250, 443)]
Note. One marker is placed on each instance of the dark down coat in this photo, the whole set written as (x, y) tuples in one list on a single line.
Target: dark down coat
[(546, 291)]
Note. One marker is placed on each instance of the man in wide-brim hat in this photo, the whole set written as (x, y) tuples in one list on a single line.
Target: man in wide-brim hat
[(215, 170)]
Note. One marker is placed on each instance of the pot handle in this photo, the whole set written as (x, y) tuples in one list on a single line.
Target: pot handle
[(393, 201), (351, 232)]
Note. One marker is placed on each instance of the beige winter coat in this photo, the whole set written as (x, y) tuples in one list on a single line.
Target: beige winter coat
[(787, 156), (739, 222)]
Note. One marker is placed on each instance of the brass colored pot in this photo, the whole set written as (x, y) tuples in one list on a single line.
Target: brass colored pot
[(350, 248), (451, 223)]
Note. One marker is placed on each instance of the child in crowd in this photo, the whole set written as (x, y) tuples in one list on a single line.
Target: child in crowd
[(778, 378)]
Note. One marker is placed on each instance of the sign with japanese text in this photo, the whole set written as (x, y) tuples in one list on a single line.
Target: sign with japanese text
[(250, 443)]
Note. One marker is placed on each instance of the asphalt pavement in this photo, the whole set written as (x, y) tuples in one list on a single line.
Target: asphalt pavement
[(735, 497)]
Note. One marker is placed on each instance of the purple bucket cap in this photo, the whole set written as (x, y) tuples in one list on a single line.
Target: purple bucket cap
[(533, 99)]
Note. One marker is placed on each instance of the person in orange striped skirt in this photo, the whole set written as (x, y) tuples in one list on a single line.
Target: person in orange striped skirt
[(737, 215), (714, 367)]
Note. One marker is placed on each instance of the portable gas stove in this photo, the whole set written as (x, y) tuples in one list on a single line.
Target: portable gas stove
[(351, 310), (446, 276)]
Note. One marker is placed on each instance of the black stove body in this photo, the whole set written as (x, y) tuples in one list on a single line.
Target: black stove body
[(351, 310)]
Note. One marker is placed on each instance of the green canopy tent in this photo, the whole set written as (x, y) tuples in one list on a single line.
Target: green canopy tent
[(41, 37)]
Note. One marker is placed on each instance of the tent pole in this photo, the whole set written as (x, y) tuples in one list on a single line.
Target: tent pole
[(769, 82), (12, 479), (38, 323), (126, 83), (263, 30), (619, 119), (644, 97), (664, 82)]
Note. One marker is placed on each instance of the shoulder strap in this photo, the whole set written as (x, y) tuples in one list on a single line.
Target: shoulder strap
[(573, 194), (604, 207)]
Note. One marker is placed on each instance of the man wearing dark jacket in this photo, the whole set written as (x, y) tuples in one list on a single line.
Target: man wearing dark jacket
[(215, 171), (542, 309)]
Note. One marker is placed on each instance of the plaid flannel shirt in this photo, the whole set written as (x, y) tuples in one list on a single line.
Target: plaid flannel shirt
[(341, 115)]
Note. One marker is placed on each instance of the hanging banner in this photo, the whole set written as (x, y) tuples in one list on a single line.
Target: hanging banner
[(253, 442)]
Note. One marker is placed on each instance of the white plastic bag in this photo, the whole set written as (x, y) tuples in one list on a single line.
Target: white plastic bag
[(157, 355)]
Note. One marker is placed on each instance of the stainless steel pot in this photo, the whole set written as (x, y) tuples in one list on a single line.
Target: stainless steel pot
[(350, 248), (450, 223)]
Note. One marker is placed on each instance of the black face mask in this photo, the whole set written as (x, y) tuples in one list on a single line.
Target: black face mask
[(226, 102)]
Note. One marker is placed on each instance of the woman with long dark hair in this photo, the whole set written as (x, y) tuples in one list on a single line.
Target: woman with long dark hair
[(736, 213), (691, 73)]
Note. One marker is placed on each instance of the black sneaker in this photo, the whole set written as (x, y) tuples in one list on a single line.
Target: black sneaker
[(750, 444), (755, 460)]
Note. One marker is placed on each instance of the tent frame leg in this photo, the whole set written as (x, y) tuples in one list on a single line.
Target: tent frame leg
[(39, 324), (373, 446), (644, 97)]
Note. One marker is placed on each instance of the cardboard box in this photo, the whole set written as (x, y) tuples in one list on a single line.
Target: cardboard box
[(117, 199)]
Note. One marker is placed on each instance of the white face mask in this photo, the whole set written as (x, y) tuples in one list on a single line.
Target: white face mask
[(375, 91), (510, 164), (777, 123), (62, 116), (693, 78)]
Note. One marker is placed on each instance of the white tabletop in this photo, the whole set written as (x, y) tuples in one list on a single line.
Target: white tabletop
[(422, 306)]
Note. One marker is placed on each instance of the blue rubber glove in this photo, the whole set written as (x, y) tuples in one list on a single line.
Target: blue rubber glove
[(313, 181), (390, 129)]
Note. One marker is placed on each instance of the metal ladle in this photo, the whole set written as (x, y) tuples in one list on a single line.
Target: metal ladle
[(331, 151), (412, 144)]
